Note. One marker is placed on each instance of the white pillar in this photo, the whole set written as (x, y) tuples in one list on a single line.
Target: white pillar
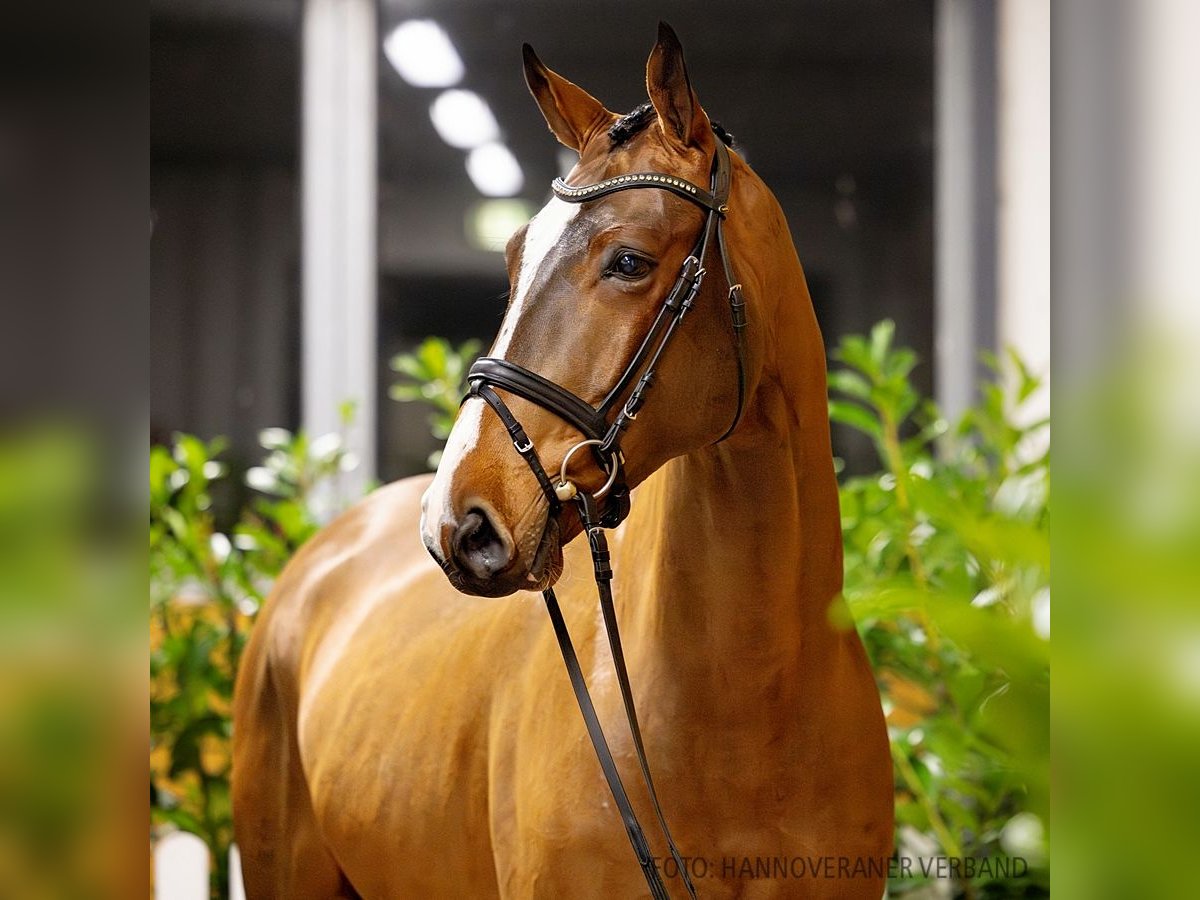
[(1023, 233), (181, 867), (1166, 164), (964, 205), (339, 224), (1165, 177), (237, 889)]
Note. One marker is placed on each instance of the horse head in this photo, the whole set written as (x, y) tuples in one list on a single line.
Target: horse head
[(588, 279)]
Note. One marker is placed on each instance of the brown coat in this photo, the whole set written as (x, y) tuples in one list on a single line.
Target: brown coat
[(394, 734)]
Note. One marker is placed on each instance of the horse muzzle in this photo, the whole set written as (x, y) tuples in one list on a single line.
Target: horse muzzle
[(480, 556)]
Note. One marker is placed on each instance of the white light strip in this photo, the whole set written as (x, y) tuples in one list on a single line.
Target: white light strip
[(421, 51), (495, 170), (463, 119)]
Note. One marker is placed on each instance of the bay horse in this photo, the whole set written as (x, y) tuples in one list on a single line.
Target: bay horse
[(397, 734)]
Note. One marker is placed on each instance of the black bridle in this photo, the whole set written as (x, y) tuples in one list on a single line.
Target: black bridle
[(604, 439)]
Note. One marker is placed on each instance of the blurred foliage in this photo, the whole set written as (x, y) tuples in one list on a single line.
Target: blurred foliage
[(437, 373), (71, 667), (206, 587), (947, 576), (1127, 656)]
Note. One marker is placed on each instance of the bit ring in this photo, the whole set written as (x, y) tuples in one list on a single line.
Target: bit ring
[(612, 468)]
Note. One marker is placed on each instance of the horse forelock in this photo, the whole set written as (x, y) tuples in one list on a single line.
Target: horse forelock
[(637, 119), (630, 124)]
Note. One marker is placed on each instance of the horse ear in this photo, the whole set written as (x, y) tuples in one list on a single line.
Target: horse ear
[(679, 113), (572, 113)]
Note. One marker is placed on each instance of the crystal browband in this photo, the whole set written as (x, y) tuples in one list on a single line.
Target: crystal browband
[(680, 186)]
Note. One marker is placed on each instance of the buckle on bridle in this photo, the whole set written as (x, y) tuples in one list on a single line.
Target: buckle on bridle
[(693, 270)]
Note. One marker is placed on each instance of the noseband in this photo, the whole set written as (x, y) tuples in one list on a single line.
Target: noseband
[(603, 438)]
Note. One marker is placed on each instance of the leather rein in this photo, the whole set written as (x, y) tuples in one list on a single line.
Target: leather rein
[(608, 507)]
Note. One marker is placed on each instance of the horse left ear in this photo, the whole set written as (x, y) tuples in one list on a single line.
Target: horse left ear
[(573, 114), (679, 113)]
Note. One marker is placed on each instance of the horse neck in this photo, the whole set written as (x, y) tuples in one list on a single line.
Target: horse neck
[(734, 553)]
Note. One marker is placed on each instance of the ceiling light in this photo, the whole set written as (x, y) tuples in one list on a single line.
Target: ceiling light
[(490, 223), (421, 51), (463, 119), (495, 170)]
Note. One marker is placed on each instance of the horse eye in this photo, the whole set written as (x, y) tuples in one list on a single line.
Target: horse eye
[(627, 265)]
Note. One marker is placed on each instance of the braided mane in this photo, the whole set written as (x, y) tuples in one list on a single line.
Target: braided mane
[(633, 122)]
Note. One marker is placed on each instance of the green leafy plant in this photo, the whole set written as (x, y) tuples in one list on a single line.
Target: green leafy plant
[(437, 373), (947, 575), (206, 585)]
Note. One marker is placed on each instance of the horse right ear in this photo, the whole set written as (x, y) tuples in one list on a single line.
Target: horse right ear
[(573, 114), (679, 113)]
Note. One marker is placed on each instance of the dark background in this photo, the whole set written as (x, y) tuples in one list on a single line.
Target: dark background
[(831, 102)]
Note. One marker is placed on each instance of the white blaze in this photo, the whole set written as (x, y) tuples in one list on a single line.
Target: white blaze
[(544, 233)]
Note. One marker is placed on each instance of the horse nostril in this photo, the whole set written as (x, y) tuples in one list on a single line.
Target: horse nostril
[(478, 547)]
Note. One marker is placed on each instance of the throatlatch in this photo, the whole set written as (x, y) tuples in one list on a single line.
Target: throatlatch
[(603, 438)]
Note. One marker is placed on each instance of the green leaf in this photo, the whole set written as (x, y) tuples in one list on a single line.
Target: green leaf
[(1027, 382), (179, 817), (854, 351), (855, 416), (406, 393), (433, 353), (899, 364), (410, 365), (881, 342), (161, 467), (851, 383)]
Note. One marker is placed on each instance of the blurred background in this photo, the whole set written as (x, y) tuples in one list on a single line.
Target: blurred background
[(333, 180), (310, 219)]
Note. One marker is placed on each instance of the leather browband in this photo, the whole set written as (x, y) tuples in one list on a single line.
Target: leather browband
[(679, 186)]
